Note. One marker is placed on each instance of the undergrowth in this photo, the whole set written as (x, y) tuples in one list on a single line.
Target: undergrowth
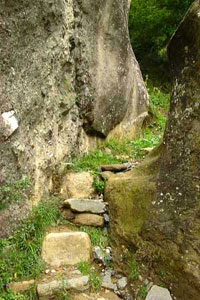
[(20, 253), (94, 278), (97, 236)]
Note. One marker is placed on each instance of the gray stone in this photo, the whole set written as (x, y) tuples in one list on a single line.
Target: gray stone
[(51, 286), (98, 254), (106, 218), (158, 293), (86, 205), (122, 283), (107, 281), (9, 123)]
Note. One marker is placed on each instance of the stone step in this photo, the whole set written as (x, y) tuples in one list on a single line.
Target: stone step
[(107, 295), (115, 168), (51, 286), (158, 293), (89, 220), (66, 248), (85, 205)]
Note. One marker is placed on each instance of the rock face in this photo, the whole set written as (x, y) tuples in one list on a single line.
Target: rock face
[(66, 69), (66, 248), (164, 203)]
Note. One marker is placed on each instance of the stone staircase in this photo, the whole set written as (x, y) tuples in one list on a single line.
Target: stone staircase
[(66, 247)]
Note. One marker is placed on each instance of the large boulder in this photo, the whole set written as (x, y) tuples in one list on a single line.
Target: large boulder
[(64, 66), (165, 208)]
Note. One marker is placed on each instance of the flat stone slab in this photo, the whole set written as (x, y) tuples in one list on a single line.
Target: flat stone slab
[(89, 220), (85, 205), (19, 287), (158, 293), (66, 248), (51, 287), (115, 168)]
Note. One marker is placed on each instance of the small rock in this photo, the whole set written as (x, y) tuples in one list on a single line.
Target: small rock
[(89, 220), (122, 283), (68, 214), (149, 286), (158, 293), (106, 218), (10, 123), (107, 281), (98, 254), (50, 287), (19, 287), (85, 205), (148, 149)]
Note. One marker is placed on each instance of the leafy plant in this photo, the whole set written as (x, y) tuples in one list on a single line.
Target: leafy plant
[(98, 184), (84, 267)]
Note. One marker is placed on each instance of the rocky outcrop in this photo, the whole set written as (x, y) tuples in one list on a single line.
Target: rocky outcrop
[(68, 75), (164, 203)]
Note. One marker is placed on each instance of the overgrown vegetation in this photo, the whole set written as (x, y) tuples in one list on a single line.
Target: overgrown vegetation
[(98, 236), (20, 253), (151, 24), (95, 281), (14, 192)]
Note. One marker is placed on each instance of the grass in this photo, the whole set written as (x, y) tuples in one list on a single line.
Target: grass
[(97, 236), (95, 281), (133, 268), (92, 160), (20, 253), (14, 192)]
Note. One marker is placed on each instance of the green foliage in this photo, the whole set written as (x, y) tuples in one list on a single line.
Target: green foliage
[(95, 281), (14, 192), (20, 253), (98, 184), (143, 292), (98, 236), (133, 268), (92, 161), (151, 24), (84, 267)]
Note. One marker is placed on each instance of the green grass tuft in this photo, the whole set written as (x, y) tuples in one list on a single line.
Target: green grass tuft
[(20, 253), (97, 236)]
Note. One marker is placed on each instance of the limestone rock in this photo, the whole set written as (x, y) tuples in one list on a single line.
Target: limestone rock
[(66, 248), (158, 293), (8, 123), (50, 287), (108, 295), (20, 287), (66, 75), (85, 205), (78, 185), (68, 214), (107, 281), (98, 254), (89, 220)]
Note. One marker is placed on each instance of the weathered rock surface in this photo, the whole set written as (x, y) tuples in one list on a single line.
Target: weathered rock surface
[(89, 220), (74, 68), (78, 185), (158, 293), (157, 210), (50, 287), (85, 205), (66, 248), (20, 287)]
